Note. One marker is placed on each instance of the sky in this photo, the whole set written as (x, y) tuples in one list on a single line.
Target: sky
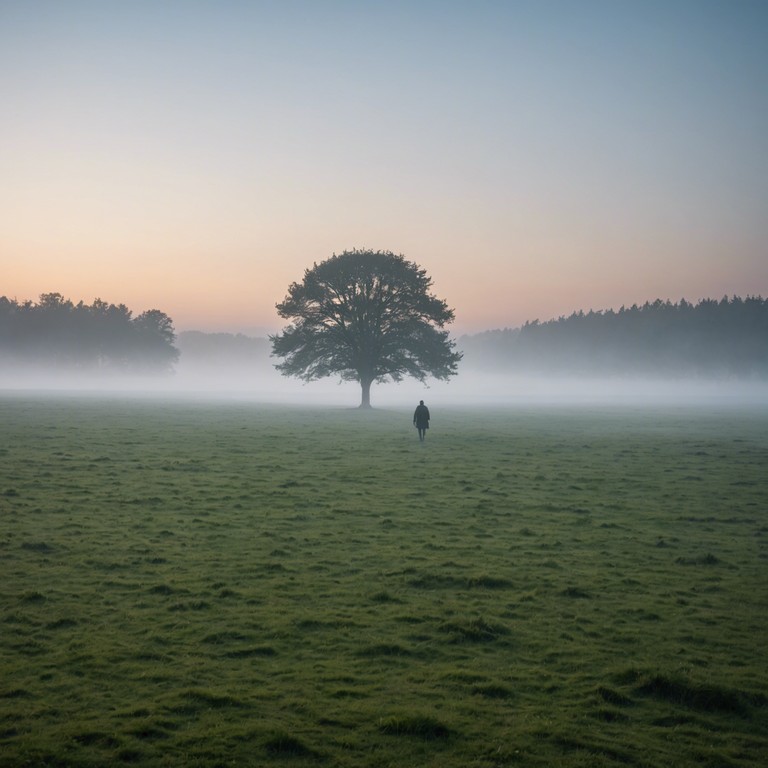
[(536, 158)]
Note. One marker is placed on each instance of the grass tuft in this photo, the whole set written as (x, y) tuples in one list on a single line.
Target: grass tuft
[(190, 605), (248, 653), (437, 581), (283, 744), (96, 738), (610, 715), (161, 589), (147, 733), (611, 696), (63, 623), (37, 546), (15, 693), (420, 726), (206, 699), (227, 636), (384, 597), (492, 691), (474, 630), (576, 592), (488, 582), (708, 698), (32, 596), (383, 649), (708, 559)]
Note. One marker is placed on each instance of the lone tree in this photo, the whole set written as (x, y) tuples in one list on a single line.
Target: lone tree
[(367, 316)]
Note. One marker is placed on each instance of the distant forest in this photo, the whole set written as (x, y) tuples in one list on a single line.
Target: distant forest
[(712, 338), (56, 333), (728, 337)]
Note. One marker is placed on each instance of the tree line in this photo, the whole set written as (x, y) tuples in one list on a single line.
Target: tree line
[(709, 338), (55, 332)]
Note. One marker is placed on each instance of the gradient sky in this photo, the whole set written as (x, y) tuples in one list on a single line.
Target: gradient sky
[(535, 157)]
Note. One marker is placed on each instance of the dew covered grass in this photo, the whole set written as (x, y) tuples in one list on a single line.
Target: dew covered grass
[(199, 584)]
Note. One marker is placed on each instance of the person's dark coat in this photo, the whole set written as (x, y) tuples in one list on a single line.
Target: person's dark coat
[(421, 417)]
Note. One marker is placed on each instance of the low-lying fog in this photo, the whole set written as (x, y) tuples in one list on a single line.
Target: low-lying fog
[(468, 388)]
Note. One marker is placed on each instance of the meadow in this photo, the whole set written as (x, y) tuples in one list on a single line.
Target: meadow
[(195, 583)]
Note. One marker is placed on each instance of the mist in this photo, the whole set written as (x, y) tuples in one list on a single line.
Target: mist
[(571, 361), (258, 381)]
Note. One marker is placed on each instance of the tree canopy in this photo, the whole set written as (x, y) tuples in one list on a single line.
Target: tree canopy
[(367, 316), (55, 332)]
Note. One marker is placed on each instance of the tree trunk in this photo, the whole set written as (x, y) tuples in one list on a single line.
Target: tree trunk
[(366, 386)]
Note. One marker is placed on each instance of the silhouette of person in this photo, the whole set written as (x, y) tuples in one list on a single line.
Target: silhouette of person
[(421, 419)]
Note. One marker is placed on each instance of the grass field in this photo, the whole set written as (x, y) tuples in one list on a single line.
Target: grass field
[(202, 584)]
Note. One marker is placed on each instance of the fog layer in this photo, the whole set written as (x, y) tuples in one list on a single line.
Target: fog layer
[(240, 367), (470, 388)]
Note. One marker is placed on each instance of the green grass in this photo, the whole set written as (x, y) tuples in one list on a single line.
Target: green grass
[(201, 584)]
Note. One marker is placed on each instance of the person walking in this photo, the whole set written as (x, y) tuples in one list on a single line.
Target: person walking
[(421, 419)]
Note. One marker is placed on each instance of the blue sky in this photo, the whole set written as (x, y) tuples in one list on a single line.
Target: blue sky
[(535, 157)]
